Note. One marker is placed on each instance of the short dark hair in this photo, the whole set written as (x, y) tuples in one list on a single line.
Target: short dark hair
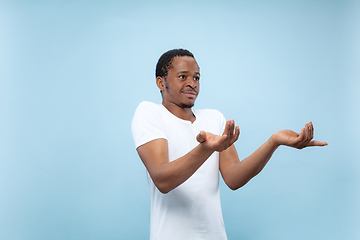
[(164, 63)]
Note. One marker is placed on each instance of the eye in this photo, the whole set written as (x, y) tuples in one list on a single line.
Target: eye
[(197, 78), (182, 77)]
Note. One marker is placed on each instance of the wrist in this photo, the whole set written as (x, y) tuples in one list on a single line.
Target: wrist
[(273, 141), (204, 148)]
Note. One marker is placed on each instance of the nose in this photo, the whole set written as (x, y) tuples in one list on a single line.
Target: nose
[(192, 83)]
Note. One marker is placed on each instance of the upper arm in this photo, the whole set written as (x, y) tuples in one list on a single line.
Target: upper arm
[(153, 154), (147, 124)]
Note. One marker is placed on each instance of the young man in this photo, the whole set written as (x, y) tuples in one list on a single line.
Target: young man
[(183, 150)]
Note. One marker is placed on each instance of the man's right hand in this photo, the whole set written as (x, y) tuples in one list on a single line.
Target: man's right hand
[(220, 143)]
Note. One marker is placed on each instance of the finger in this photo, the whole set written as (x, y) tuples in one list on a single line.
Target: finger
[(228, 132), (301, 137), (311, 130), (231, 129), (298, 142), (227, 126), (236, 135), (201, 137), (316, 143), (231, 134), (307, 134)]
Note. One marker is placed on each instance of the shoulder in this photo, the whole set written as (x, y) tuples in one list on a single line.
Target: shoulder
[(147, 123), (147, 112), (145, 105), (148, 108)]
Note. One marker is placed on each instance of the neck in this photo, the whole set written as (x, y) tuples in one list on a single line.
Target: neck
[(180, 112)]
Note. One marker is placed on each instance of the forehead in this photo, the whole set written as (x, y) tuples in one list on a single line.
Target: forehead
[(184, 63)]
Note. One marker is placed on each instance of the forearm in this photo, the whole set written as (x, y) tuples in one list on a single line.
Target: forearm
[(166, 174), (170, 175), (242, 172)]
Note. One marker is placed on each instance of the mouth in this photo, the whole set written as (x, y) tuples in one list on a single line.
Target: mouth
[(190, 93)]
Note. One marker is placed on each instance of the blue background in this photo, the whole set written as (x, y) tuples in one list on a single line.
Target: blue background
[(73, 72)]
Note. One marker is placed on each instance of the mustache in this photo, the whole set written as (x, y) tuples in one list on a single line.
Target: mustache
[(189, 90)]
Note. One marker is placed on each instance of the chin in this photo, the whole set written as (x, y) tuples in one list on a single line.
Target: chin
[(184, 105)]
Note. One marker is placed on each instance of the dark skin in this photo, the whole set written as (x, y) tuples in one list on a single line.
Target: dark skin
[(179, 90), (180, 87)]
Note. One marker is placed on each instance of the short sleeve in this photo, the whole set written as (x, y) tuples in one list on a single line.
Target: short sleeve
[(222, 122), (147, 124)]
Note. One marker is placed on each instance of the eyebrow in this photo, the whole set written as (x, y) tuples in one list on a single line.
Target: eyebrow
[(187, 72)]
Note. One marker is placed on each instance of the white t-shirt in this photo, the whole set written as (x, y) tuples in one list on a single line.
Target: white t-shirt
[(192, 210)]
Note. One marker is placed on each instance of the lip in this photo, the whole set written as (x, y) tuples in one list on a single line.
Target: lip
[(190, 94)]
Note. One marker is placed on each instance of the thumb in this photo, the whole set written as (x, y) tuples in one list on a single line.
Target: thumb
[(316, 143), (201, 137)]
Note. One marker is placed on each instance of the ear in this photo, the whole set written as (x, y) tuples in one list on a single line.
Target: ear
[(160, 82)]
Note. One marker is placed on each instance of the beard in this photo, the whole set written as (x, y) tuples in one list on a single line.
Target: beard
[(183, 105)]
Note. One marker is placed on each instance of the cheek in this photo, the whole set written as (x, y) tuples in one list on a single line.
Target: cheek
[(166, 85)]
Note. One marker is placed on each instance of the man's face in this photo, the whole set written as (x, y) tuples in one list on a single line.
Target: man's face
[(181, 85)]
